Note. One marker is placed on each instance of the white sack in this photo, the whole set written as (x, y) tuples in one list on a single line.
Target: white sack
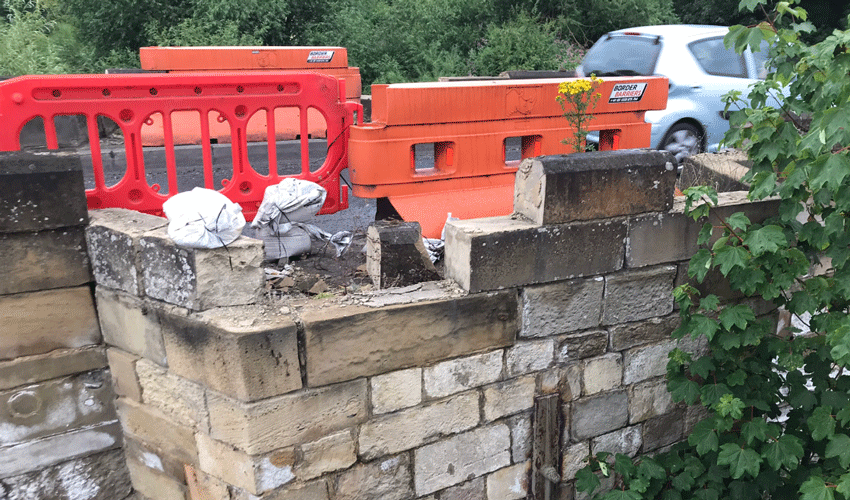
[(291, 200), (203, 218)]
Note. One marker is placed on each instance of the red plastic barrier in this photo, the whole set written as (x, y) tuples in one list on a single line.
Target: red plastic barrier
[(132, 100)]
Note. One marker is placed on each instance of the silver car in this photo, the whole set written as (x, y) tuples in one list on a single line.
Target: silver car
[(700, 70)]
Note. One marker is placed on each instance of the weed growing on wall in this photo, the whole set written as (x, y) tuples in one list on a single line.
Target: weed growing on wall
[(779, 401), (577, 99)]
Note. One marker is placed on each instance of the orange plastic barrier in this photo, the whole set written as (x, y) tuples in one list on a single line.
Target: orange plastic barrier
[(465, 127), (234, 99), (331, 61)]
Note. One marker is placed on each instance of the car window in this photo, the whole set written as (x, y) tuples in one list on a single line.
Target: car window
[(716, 59), (627, 55)]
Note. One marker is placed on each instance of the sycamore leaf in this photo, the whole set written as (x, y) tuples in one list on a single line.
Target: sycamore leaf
[(729, 257), (754, 430), (821, 423), (766, 239), (704, 325), (683, 389), (587, 481), (702, 367), (839, 446), (616, 494), (740, 460), (787, 451), (738, 315), (704, 437), (844, 485), (815, 489), (738, 220)]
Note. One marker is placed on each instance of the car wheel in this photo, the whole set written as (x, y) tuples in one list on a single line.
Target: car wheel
[(683, 140)]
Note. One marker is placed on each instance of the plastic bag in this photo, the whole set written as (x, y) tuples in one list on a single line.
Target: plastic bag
[(291, 200), (203, 218)]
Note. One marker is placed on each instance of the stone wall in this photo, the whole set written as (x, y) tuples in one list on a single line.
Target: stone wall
[(59, 433), (423, 393)]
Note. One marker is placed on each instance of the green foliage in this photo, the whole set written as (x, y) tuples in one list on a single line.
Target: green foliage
[(522, 43), (26, 46), (779, 402)]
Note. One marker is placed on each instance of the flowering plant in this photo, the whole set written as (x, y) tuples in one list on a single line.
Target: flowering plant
[(576, 98)]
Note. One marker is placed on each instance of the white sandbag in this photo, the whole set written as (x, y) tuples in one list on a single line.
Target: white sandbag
[(203, 218), (291, 200)]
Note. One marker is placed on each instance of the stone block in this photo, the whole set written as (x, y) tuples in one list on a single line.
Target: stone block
[(167, 439), (316, 490), (581, 345), (461, 457), (646, 362), (54, 364), (663, 430), (637, 295), (597, 415), (565, 379), (44, 260), (564, 188), (509, 397), (200, 279), (501, 252), (573, 459), (328, 454), (396, 390), (122, 366), (603, 373), (722, 171), (154, 484), (39, 322), (113, 239), (510, 483), (181, 400), (38, 454), (133, 324), (256, 474), (562, 307), (40, 191), (102, 476), (651, 330), (154, 458), (520, 437), (627, 441), (410, 428), (56, 406), (531, 356), (387, 479), (648, 399), (349, 342), (240, 352), (277, 422), (457, 375), (396, 255), (470, 490)]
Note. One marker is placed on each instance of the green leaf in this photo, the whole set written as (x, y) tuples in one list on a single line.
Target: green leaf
[(821, 423), (844, 416), (730, 406), (704, 325), (616, 494), (700, 264), (682, 389), (730, 257), (587, 481), (737, 315), (740, 460), (709, 302), (839, 446), (738, 220), (650, 468), (736, 378), (815, 489), (844, 485), (702, 367), (704, 437), (787, 451), (754, 430), (764, 240)]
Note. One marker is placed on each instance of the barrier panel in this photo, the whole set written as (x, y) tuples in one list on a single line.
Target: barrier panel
[(331, 61), (233, 99), (453, 147)]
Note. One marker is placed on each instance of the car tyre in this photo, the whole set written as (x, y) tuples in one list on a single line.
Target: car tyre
[(683, 140)]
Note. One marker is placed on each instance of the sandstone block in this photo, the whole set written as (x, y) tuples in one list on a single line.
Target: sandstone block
[(663, 430), (330, 453), (396, 255), (627, 441), (520, 437), (102, 476), (581, 345), (561, 307), (638, 295), (350, 342), (723, 170), (510, 483), (281, 421), (564, 188), (387, 479), (315, 490), (396, 390), (40, 453), (168, 440), (629, 335), (113, 239), (154, 458), (509, 397), (531, 356), (642, 363), (603, 373), (154, 484), (56, 406), (200, 279), (41, 191), (410, 428), (132, 324), (39, 322), (182, 401), (256, 474), (573, 459), (44, 260), (648, 399), (457, 375), (597, 415), (239, 352), (462, 457), (470, 490), (55, 364), (122, 366), (565, 379), (501, 252)]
